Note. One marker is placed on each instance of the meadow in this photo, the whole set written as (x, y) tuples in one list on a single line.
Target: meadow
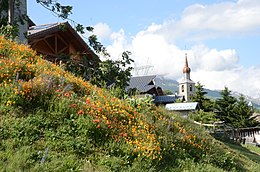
[(51, 120)]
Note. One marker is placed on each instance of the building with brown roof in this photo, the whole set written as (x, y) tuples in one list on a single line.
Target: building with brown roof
[(56, 40)]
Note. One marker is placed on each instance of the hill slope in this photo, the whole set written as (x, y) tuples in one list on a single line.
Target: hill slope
[(51, 120)]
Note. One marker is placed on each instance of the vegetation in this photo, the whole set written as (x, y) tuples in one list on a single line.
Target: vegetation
[(203, 117), (112, 74), (51, 120), (235, 113), (199, 96)]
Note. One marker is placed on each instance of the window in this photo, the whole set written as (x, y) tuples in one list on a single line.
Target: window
[(182, 88), (190, 87)]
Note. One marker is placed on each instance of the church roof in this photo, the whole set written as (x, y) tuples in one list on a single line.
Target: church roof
[(182, 106)]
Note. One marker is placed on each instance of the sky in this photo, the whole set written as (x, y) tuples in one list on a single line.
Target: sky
[(220, 37)]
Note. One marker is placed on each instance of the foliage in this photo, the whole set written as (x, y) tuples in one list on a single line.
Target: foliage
[(203, 117), (236, 113), (167, 92), (62, 11), (51, 120), (204, 103), (244, 113), (225, 106), (10, 32), (113, 73)]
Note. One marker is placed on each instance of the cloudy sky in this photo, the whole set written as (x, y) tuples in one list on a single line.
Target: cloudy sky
[(221, 37)]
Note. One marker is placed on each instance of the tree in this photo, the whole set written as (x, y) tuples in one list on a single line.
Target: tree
[(225, 107), (113, 74), (236, 113), (167, 92), (199, 96), (244, 114)]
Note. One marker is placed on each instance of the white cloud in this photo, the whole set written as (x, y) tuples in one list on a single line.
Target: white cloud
[(214, 60), (101, 30), (212, 67), (119, 44), (199, 22)]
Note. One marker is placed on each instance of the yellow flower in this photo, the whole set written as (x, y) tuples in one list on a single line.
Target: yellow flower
[(9, 103)]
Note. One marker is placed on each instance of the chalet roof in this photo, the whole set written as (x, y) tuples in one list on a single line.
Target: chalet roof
[(182, 106), (141, 83), (40, 31)]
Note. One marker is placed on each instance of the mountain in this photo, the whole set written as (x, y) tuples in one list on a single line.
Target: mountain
[(172, 85)]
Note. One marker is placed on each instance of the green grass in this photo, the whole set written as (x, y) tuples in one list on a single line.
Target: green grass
[(86, 128), (253, 148)]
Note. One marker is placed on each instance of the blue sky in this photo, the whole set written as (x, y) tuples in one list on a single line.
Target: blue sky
[(221, 37)]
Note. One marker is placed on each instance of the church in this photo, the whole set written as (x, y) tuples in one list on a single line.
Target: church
[(186, 91), (186, 85)]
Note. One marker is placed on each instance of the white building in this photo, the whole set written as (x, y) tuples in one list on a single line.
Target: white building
[(186, 85)]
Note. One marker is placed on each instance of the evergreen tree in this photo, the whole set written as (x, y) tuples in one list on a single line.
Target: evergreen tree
[(225, 107), (244, 114), (199, 96)]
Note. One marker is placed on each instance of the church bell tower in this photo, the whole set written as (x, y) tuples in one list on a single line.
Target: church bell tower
[(186, 85)]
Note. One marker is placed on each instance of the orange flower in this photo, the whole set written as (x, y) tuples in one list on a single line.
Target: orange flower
[(80, 112), (67, 94), (73, 105), (99, 109), (87, 101), (97, 120)]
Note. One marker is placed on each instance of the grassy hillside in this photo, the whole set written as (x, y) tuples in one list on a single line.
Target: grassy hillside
[(51, 120)]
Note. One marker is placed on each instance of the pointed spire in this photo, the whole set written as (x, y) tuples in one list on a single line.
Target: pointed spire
[(186, 60), (186, 68)]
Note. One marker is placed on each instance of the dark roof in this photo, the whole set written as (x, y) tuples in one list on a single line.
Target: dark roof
[(141, 83), (39, 31), (165, 99), (30, 23)]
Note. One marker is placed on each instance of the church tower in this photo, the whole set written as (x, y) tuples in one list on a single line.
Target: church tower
[(186, 85)]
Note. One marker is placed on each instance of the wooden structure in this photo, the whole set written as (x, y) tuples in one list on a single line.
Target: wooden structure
[(57, 40), (250, 135)]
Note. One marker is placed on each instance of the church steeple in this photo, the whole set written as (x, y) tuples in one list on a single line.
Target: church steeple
[(186, 86), (186, 69)]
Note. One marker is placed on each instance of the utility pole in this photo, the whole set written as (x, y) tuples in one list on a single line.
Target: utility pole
[(11, 12)]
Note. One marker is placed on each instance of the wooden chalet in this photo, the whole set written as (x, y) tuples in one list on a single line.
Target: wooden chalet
[(57, 40)]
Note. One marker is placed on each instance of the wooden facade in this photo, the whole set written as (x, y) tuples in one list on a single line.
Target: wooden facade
[(57, 40)]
